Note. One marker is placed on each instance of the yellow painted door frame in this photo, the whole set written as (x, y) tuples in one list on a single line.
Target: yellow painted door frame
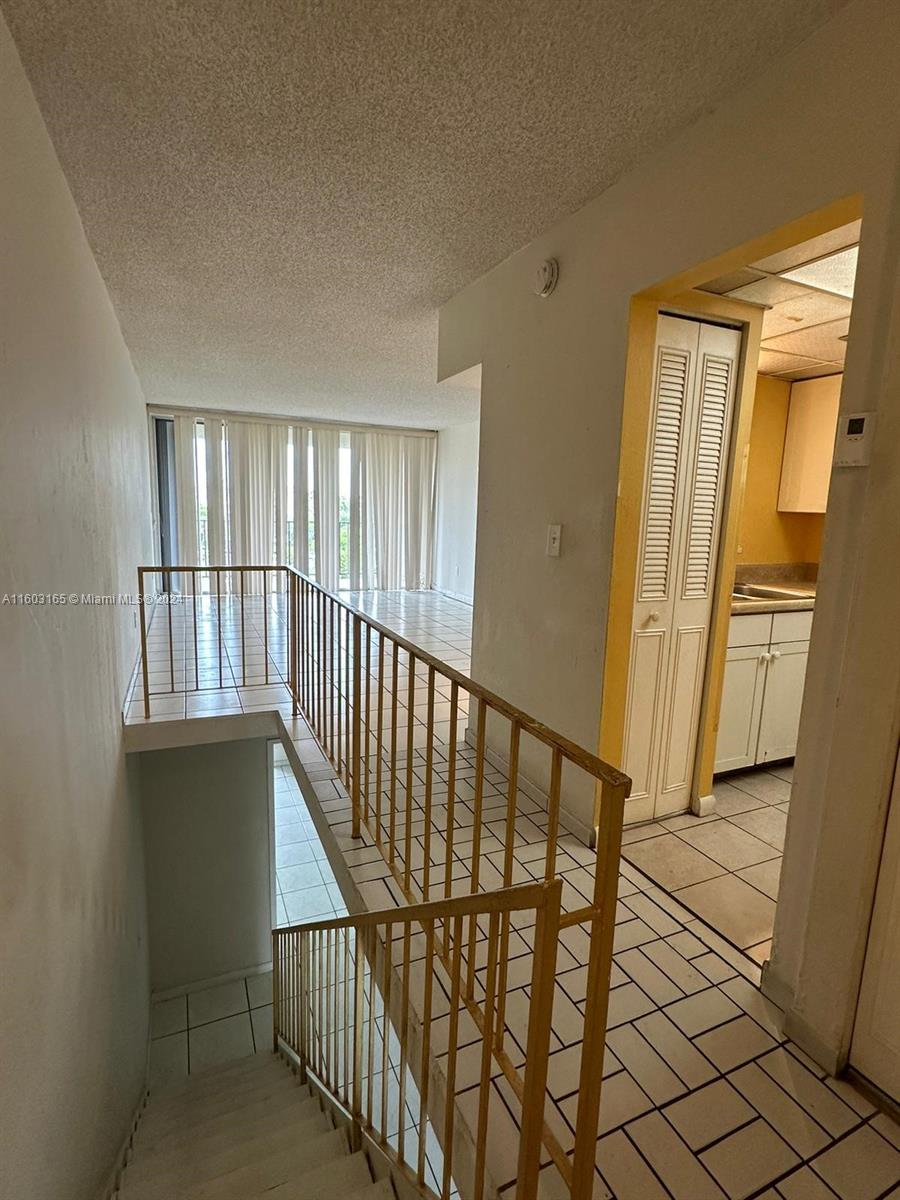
[(677, 296)]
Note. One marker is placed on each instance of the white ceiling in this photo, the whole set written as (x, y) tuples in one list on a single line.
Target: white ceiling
[(807, 292), (280, 194)]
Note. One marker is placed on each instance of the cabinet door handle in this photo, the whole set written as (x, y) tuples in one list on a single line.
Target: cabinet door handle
[(776, 654), (653, 616), (764, 658)]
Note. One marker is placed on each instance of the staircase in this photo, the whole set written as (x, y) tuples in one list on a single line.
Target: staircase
[(247, 1129)]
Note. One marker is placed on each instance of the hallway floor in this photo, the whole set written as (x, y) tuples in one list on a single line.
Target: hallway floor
[(724, 867), (705, 1097)]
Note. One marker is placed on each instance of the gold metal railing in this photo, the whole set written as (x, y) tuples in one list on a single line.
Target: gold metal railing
[(441, 772), (350, 1006)]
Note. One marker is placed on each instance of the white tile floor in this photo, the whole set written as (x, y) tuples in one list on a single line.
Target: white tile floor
[(204, 1028), (704, 1094)]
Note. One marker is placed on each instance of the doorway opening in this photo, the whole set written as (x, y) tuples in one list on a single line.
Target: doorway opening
[(718, 539)]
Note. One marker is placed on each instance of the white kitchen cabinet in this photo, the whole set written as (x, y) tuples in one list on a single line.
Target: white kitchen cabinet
[(762, 694), (742, 698), (809, 444), (783, 699)]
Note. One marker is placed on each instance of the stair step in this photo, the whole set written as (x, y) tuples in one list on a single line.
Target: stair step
[(296, 1100), (263, 1178), (382, 1189), (204, 1084), (167, 1175), (331, 1181), (158, 1121), (211, 1139)]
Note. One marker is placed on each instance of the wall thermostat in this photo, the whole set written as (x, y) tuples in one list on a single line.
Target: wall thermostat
[(545, 277), (856, 432)]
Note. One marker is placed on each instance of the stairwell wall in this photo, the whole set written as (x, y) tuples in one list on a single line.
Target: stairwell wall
[(74, 498)]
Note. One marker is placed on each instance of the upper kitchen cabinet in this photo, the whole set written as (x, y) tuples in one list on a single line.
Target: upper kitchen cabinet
[(809, 444)]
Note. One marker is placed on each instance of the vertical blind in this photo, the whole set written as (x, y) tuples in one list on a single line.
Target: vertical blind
[(351, 508)]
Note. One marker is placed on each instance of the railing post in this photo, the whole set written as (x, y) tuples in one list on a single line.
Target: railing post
[(294, 642), (144, 667), (534, 1090), (357, 722), (276, 991), (603, 925)]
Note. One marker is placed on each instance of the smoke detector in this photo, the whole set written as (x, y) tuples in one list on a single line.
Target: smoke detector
[(545, 277)]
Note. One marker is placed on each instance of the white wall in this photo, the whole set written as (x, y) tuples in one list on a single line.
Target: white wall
[(457, 510), (821, 125), (209, 884), (74, 505)]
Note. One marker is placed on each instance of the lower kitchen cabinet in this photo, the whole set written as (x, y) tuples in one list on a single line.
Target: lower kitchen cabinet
[(780, 716), (761, 697), (742, 700)]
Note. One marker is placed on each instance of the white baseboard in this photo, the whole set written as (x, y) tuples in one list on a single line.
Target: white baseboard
[(470, 600)]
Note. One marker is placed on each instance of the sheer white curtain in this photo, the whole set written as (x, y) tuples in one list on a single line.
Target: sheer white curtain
[(251, 509), (359, 520), (214, 438), (400, 503), (300, 482), (327, 502), (278, 451), (186, 495)]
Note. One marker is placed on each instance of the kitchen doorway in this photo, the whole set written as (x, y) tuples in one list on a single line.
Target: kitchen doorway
[(717, 848)]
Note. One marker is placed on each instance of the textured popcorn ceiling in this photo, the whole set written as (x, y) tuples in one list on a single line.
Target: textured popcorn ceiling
[(280, 193)]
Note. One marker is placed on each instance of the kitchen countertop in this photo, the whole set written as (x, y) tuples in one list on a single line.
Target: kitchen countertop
[(803, 599)]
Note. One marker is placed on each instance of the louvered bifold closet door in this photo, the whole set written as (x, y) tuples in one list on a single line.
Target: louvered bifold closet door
[(686, 466), (661, 521)]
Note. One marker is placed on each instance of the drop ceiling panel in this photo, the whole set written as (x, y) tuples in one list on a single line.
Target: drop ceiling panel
[(809, 308), (774, 362), (815, 372), (836, 273), (824, 342), (731, 281), (769, 291), (826, 243)]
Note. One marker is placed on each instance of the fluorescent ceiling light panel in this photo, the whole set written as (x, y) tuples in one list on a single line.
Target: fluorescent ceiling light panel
[(815, 372), (836, 273), (772, 362)]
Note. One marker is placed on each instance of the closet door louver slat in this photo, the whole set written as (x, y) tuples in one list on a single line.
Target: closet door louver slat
[(656, 552), (715, 388)]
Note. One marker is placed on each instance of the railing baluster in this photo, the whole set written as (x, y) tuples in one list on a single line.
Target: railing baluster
[(603, 924), (429, 767), (370, 1080), (219, 622), (243, 635), (379, 742), (540, 1010), (348, 693), (388, 964), (265, 608), (453, 1035), (404, 1034), (553, 813), (171, 647), (145, 664), (424, 1064), (392, 820), (476, 837), (357, 719), (451, 797), (410, 717), (511, 798), (367, 724), (196, 655), (488, 1033)]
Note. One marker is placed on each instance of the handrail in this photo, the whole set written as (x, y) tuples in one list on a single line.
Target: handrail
[(598, 767), (433, 798), (339, 1003)]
